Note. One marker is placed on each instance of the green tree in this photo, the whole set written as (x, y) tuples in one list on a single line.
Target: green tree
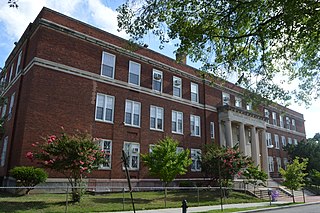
[(259, 40), (165, 162), (229, 161), (73, 156), (253, 175), (294, 175), (28, 176)]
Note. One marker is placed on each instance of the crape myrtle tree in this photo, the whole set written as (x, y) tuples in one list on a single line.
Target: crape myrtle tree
[(223, 163), (165, 161), (294, 175), (74, 156), (259, 40)]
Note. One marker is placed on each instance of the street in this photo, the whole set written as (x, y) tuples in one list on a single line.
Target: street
[(299, 209)]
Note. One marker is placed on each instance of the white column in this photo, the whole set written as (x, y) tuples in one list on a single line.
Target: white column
[(229, 133), (222, 134), (255, 146), (264, 152), (242, 141)]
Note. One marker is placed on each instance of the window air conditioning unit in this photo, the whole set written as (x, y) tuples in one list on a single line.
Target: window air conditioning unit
[(157, 76), (177, 83), (135, 150)]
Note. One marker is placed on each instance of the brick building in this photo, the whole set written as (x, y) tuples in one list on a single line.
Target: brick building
[(63, 72)]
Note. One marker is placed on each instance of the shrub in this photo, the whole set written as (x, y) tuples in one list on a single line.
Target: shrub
[(28, 176)]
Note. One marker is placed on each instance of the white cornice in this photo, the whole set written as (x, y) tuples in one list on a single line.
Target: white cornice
[(285, 130)]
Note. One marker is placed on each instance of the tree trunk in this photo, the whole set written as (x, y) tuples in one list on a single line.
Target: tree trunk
[(294, 201)]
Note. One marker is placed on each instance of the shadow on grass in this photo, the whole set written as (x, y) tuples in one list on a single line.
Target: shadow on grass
[(9, 206)]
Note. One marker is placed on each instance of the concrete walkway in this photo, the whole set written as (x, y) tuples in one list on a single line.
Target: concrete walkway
[(206, 208)]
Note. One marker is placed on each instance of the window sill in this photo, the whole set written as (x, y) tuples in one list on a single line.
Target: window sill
[(157, 130), (103, 121), (177, 133)]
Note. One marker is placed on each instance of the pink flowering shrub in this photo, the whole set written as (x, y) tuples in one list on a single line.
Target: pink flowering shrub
[(228, 160), (73, 156)]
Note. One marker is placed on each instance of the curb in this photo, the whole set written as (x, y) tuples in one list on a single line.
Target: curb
[(280, 207)]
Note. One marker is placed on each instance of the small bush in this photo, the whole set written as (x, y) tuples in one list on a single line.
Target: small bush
[(28, 176)]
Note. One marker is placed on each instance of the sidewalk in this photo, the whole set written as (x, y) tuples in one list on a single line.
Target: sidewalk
[(206, 208)]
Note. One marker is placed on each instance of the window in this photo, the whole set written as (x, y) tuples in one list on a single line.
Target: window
[(4, 108), (151, 147), (288, 122), (269, 140), (266, 115), (18, 68), (4, 151), (106, 147), (285, 162), (108, 64), (179, 150), (274, 118), (157, 81), (177, 87), (276, 141), (238, 102), (11, 71), (270, 164), (134, 73), (295, 141), (11, 106), (132, 151), (156, 118), (283, 140), (177, 122), (212, 130), (225, 98), (289, 141), (278, 164), (281, 121), (195, 125), (293, 124), (132, 114), (249, 106), (196, 160), (104, 108), (194, 92)]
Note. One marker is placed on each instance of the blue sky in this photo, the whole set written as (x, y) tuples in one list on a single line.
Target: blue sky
[(101, 14)]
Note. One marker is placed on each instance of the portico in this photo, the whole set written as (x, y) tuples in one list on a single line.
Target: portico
[(248, 130)]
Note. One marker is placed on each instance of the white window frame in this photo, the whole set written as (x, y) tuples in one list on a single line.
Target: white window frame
[(19, 63), (295, 141), (177, 85), (225, 98), (285, 162), (4, 108), (109, 60), (293, 124), (135, 72), (107, 105), (283, 141), (281, 121), (132, 149), (135, 108), (196, 160), (278, 159), (274, 118), (11, 106), (194, 125), (108, 153), (175, 121), (288, 123), (269, 140), (249, 106), (267, 115), (212, 130), (194, 91), (290, 141), (276, 141), (11, 71), (179, 149), (238, 102), (157, 116), (270, 164), (157, 77), (4, 151)]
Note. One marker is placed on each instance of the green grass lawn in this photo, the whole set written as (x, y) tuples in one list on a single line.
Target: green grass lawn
[(115, 201)]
